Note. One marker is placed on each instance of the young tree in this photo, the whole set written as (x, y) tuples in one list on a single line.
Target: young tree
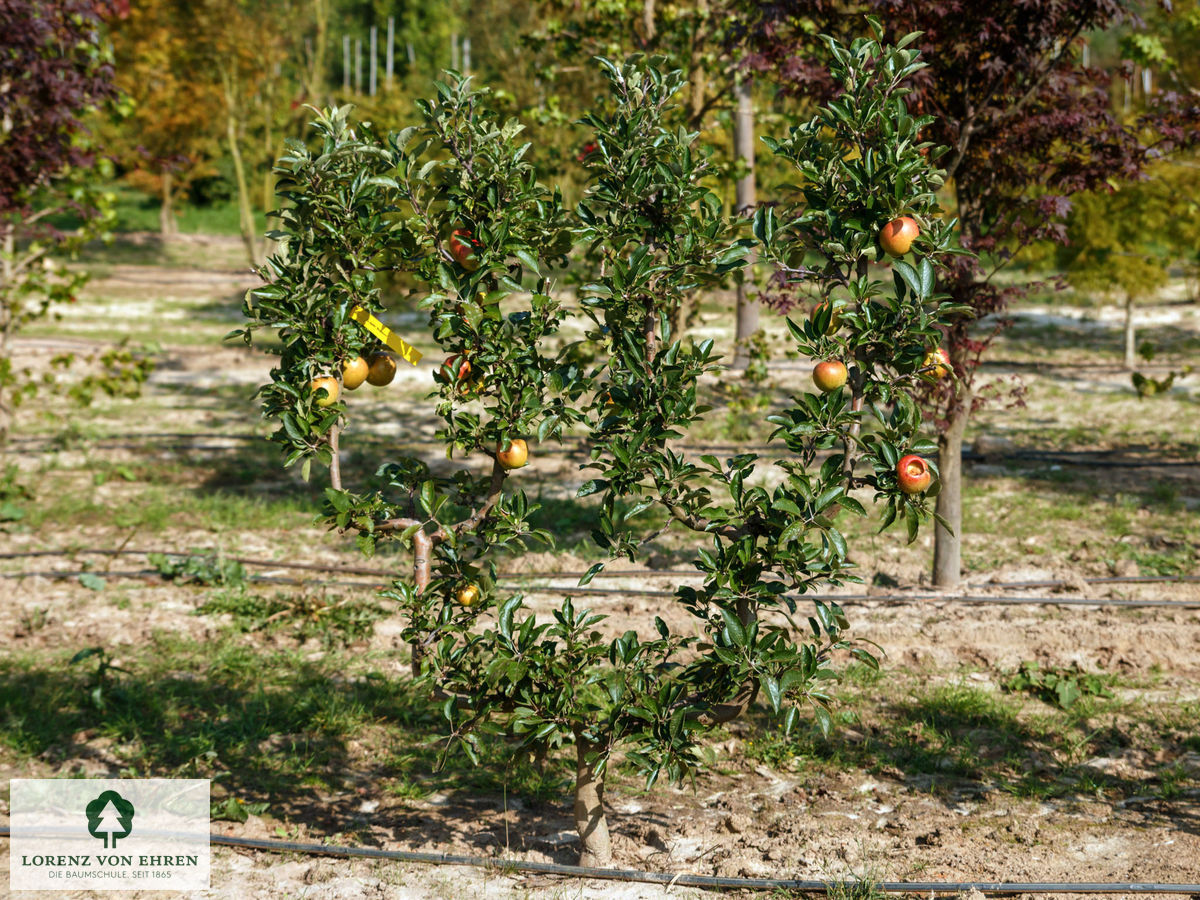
[(453, 202), (1027, 126), (54, 71), (1119, 243)]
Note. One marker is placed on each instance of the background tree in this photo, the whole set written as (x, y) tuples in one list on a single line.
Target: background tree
[(170, 134), (55, 71), (1027, 126), (361, 205), (1119, 244)]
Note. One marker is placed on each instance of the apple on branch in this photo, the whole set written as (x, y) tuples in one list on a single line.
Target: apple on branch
[(465, 249), (829, 375), (897, 236), (329, 385), (913, 474)]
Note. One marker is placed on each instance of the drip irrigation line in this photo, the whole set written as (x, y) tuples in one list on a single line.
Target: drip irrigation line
[(1090, 459), (681, 879), (521, 576), (844, 599)]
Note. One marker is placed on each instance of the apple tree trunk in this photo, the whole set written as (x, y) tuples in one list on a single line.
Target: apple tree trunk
[(743, 148), (1130, 336), (594, 842), (947, 541)]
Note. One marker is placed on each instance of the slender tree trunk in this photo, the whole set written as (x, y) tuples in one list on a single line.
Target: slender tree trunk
[(697, 71), (947, 543), (596, 847), (746, 197), (8, 246), (167, 225), (649, 31), (1130, 336), (245, 216)]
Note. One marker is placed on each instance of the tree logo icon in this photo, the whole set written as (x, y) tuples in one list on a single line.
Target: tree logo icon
[(110, 816)]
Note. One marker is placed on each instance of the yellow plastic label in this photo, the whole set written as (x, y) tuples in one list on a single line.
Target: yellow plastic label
[(407, 351)]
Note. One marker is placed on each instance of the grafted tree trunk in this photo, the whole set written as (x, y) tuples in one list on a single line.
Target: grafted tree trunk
[(1130, 335), (595, 844), (947, 543)]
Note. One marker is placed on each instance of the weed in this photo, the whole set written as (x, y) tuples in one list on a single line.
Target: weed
[(336, 621), (102, 690), (199, 568), (1059, 686)]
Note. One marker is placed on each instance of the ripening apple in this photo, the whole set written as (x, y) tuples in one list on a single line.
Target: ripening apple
[(465, 249), (515, 456), (897, 236), (458, 366), (939, 359), (381, 369), (467, 595), (835, 320), (829, 375), (913, 474), (354, 372), (329, 385)]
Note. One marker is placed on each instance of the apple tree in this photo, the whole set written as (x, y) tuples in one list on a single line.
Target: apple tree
[(453, 202), (1027, 125)]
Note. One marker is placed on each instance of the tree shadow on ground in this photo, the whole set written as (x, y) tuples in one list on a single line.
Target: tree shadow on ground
[(957, 743), (299, 735)]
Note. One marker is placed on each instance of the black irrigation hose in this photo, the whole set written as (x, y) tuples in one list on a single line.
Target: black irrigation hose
[(521, 576), (845, 599), (700, 881), (1077, 458)]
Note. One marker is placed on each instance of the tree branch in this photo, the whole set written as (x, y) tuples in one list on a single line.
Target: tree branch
[(495, 490), (335, 462)]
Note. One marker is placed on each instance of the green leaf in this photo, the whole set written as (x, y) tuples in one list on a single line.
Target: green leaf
[(91, 581), (733, 627), (591, 573), (926, 274), (824, 719), (909, 274), (774, 694), (527, 260)]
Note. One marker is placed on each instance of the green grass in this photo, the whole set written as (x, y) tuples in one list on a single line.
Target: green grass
[(136, 211), (268, 724), (950, 735)]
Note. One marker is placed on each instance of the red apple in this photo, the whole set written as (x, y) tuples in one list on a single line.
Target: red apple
[(458, 366), (939, 359), (897, 236), (913, 474), (829, 375), (465, 249)]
